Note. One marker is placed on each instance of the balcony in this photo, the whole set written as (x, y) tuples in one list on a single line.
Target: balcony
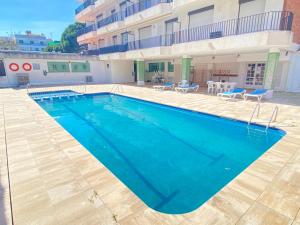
[(130, 11), (86, 33), (256, 24), (85, 5), (85, 11)]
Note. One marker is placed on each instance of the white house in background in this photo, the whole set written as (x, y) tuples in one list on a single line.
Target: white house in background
[(31, 42), (254, 43)]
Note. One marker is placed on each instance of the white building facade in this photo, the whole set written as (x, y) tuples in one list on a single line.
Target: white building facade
[(34, 68), (31, 42), (254, 43)]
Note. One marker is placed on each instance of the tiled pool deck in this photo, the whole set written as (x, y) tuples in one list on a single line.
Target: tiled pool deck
[(56, 181)]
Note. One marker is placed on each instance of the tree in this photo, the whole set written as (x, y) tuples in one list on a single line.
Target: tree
[(53, 46), (53, 49), (69, 42)]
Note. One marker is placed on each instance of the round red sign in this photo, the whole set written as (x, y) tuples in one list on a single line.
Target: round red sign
[(14, 67), (27, 67)]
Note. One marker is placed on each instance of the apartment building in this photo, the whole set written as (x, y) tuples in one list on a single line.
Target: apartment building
[(31, 42), (254, 43)]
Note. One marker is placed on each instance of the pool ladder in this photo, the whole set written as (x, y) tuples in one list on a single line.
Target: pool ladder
[(272, 119)]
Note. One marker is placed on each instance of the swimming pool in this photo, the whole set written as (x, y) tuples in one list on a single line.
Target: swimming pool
[(172, 159)]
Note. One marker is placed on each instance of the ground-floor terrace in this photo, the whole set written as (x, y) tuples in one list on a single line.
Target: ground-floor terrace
[(47, 177), (249, 67)]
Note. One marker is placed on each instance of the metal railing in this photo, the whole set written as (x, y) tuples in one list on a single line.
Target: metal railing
[(273, 117), (87, 29), (129, 11), (269, 21), (84, 5), (279, 20), (114, 48), (257, 111)]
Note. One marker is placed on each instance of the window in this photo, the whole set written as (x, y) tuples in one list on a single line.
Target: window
[(42, 43), (123, 7), (58, 67), (80, 67), (170, 67), (112, 11), (115, 40), (255, 75), (145, 32), (31, 42), (21, 42), (125, 38), (99, 17), (170, 25), (251, 7), (36, 66), (37, 49), (154, 67), (201, 17)]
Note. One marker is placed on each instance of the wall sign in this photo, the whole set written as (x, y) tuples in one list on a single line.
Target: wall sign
[(27, 67), (14, 67)]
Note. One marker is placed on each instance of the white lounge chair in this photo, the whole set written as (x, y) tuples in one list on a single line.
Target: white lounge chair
[(259, 94), (233, 94), (184, 87), (165, 86)]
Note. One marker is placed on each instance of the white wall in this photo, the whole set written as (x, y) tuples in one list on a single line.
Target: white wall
[(121, 71), (37, 77), (293, 81)]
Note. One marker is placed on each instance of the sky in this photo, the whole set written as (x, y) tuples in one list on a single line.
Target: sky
[(49, 17)]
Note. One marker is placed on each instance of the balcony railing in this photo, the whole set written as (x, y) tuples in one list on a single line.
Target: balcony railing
[(114, 48), (86, 29), (130, 10), (270, 21), (83, 6)]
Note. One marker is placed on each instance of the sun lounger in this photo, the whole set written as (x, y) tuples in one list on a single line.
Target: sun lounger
[(233, 94), (186, 88), (259, 94), (164, 86)]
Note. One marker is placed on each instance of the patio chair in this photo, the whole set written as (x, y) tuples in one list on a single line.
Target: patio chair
[(259, 94), (210, 87), (168, 85), (219, 87), (233, 94), (229, 86)]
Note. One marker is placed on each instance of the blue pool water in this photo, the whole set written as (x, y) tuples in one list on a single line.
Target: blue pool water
[(172, 159)]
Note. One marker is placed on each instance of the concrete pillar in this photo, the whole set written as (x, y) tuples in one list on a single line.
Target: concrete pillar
[(140, 63), (271, 68), (186, 68)]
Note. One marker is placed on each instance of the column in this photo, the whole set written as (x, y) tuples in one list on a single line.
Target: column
[(186, 68), (140, 64), (271, 68)]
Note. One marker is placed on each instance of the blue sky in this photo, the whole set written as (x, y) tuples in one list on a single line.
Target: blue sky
[(49, 17)]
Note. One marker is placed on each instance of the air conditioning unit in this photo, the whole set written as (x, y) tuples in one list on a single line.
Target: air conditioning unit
[(22, 79), (89, 79)]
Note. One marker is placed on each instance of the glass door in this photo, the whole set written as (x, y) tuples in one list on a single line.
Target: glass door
[(255, 75)]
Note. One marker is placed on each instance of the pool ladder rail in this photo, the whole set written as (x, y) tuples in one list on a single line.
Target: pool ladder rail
[(272, 119)]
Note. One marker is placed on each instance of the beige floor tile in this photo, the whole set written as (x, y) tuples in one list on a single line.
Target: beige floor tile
[(261, 215)]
